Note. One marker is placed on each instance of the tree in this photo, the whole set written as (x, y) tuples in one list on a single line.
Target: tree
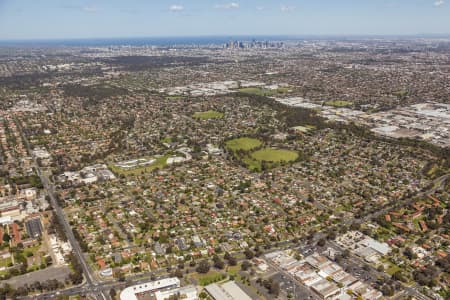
[(232, 261), (178, 273), (227, 256), (399, 276), (409, 253), (272, 286), (321, 243), (331, 235), (387, 290), (203, 267), (346, 253), (245, 265), (355, 226), (6, 238), (219, 264), (249, 254)]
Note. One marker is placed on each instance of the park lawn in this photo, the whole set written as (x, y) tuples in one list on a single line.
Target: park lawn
[(33, 268), (167, 139), (392, 269), (207, 115), (283, 90), (32, 250), (274, 155), (244, 143), (263, 91), (208, 278), (338, 103), (402, 93), (233, 270), (4, 262), (433, 170), (160, 163), (252, 164)]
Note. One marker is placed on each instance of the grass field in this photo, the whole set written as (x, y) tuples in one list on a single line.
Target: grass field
[(338, 103), (207, 115), (392, 269), (401, 94), (32, 250), (233, 270), (252, 164), (274, 155), (167, 139), (263, 92), (4, 262), (160, 163), (254, 160), (244, 143), (208, 278)]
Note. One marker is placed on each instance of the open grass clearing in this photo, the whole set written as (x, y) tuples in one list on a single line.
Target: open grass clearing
[(159, 163), (338, 103), (274, 155), (208, 278), (233, 270), (392, 269), (252, 164), (175, 98), (4, 262), (264, 91), (243, 143), (208, 115)]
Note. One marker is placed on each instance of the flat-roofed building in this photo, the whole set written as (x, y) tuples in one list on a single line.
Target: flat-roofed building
[(365, 291), (318, 261), (227, 291), (185, 293), (325, 289), (132, 292)]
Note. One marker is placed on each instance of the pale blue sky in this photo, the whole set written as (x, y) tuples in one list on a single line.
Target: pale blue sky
[(37, 19)]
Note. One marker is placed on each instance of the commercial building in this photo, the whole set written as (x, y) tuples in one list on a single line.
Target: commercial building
[(185, 293), (133, 292), (227, 291)]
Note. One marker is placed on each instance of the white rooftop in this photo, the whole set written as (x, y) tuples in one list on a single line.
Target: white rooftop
[(227, 291), (130, 292)]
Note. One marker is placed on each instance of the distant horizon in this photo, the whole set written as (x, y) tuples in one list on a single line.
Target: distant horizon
[(211, 39)]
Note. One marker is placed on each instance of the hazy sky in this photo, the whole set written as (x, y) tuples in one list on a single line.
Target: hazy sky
[(35, 19)]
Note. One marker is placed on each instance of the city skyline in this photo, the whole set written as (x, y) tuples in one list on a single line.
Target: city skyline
[(50, 19)]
